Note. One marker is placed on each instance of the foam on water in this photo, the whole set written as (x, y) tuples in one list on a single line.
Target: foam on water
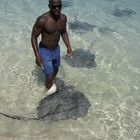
[(112, 87)]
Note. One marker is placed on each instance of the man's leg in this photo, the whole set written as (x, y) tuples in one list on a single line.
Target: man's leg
[(52, 88), (55, 72), (49, 81), (50, 78), (48, 70)]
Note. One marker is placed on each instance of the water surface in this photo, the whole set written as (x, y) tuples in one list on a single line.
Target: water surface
[(112, 86)]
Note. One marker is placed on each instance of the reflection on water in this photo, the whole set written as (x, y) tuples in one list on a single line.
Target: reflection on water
[(110, 82)]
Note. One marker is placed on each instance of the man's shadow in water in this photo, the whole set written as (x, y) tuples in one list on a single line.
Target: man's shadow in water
[(39, 75)]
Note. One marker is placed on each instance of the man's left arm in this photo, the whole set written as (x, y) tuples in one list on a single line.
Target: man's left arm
[(65, 38)]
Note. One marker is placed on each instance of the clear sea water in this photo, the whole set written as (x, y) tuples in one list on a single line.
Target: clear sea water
[(113, 87)]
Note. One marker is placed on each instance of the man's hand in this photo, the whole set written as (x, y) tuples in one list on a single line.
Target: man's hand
[(38, 61), (69, 51)]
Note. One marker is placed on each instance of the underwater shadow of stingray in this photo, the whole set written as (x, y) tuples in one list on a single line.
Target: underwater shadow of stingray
[(106, 30), (121, 13), (65, 104), (80, 27), (81, 58)]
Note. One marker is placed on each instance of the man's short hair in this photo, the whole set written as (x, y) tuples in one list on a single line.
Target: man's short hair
[(51, 1)]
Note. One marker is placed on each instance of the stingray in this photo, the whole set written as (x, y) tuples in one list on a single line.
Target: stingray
[(79, 27), (125, 12), (65, 104), (81, 58), (69, 103), (106, 30)]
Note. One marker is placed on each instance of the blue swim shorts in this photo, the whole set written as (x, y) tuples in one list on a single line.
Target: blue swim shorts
[(50, 58)]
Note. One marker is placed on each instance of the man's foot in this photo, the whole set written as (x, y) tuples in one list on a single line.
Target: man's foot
[(52, 90)]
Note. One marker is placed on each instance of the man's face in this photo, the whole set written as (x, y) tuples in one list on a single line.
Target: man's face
[(55, 7)]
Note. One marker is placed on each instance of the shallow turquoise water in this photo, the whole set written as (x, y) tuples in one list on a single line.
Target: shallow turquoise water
[(112, 87)]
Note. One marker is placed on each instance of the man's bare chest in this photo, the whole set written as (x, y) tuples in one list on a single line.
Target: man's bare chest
[(51, 27)]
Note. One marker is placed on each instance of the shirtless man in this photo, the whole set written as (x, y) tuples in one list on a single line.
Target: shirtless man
[(51, 26)]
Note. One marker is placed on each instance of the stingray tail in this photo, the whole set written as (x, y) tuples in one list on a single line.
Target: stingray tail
[(18, 117)]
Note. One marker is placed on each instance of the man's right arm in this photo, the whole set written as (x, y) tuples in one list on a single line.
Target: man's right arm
[(37, 29)]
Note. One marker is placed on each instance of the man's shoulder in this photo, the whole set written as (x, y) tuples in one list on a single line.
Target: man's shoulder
[(64, 17), (42, 18)]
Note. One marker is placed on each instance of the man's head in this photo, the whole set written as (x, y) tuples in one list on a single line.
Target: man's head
[(55, 7)]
